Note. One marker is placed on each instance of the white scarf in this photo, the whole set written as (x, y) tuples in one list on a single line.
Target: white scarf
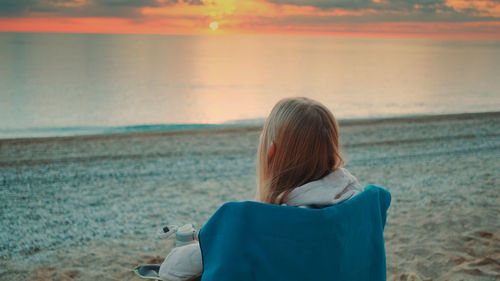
[(335, 188)]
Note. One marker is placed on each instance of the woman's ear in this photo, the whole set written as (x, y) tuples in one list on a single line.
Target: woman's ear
[(272, 150)]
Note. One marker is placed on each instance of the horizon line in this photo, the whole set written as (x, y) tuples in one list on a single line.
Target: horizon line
[(464, 36)]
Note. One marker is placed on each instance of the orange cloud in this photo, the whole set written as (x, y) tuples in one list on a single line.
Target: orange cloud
[(214, 9), (100, 25), (455, 18), (482, 7)]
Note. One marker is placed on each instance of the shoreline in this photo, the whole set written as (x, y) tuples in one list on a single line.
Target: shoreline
[(230, 128)]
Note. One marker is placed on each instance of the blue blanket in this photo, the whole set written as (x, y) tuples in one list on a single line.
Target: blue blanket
[(255, 241)]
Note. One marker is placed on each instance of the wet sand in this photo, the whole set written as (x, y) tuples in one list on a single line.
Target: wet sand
[(88, 208)]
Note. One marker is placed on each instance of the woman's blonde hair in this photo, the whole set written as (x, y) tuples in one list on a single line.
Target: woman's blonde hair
[(306, 139)]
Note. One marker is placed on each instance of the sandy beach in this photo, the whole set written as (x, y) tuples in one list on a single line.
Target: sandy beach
[(89, 208)]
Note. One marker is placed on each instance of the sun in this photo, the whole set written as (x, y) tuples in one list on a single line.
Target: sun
[(214, 25)]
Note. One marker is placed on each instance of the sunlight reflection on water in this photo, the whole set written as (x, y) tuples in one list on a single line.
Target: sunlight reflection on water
[(71, 80)]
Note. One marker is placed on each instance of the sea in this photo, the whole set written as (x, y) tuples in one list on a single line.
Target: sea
[(56, 84)]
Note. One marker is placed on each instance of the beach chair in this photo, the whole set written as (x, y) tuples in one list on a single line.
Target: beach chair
[(262, 242)]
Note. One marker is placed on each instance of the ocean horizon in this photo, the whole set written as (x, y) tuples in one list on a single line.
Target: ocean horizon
[(79, 84)]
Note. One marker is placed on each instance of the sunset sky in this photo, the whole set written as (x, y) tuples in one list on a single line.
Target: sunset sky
[(473, 19)]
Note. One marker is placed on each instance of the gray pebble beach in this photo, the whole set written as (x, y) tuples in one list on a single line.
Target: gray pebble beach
[(89, 207)]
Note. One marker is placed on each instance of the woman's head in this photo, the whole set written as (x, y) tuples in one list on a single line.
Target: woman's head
[(299, 143)]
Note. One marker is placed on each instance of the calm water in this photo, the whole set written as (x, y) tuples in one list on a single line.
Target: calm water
[(54, 84)]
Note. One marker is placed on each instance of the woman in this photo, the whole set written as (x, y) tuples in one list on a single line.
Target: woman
[(298, 164)]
